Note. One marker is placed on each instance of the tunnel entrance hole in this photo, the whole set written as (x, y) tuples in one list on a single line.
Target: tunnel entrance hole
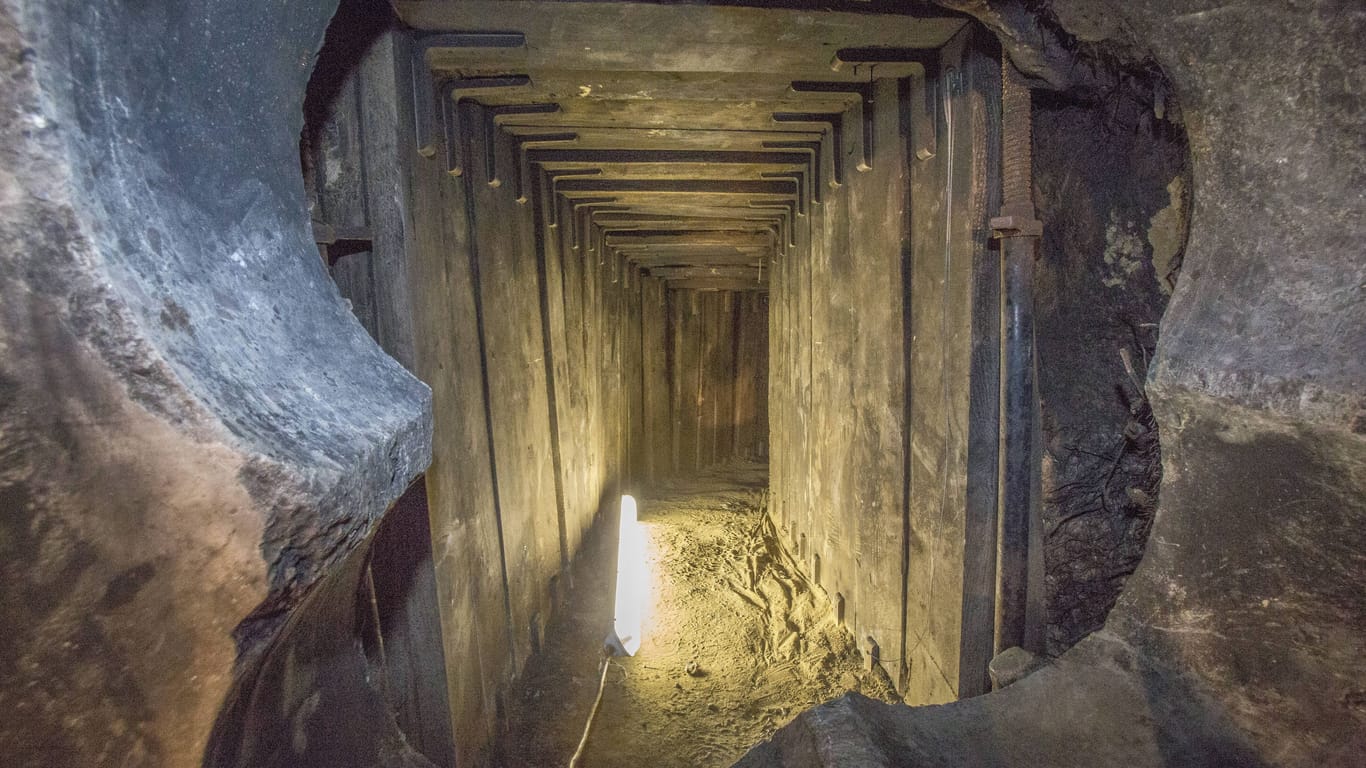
[(621, 263)]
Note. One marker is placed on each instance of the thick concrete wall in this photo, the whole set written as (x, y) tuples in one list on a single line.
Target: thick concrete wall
[(196, 430)]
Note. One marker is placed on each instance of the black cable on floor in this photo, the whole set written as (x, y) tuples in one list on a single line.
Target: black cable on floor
[(588, 726)]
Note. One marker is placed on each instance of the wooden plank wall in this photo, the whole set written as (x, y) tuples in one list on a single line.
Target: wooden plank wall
[(533, 351), (716, 369), (883, 391)]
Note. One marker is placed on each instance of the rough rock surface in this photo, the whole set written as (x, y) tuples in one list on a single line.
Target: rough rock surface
[(1111, 180), (193, 428), (1080, 712)]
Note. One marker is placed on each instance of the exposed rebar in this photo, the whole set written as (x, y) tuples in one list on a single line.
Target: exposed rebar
[(1019, 233), (1017, 139)]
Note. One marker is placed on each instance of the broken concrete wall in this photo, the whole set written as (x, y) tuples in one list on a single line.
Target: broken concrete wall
[(212, 332), (196, 429), (1256, 387)]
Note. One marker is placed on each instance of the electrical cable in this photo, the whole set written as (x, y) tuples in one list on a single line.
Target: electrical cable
[(588, 726)]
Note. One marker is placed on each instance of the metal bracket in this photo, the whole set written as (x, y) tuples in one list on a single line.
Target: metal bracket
[(552, 190), (815, 162), (491, 118), (451, 95), (424, 85), (576, 206), (789, 209), (525, 143), (922, 66), (1016, 226), (800, 179), (862, 114), (834, 131)]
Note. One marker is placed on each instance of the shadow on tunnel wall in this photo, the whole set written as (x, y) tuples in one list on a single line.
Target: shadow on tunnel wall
[(356, 675), (1112, 182)]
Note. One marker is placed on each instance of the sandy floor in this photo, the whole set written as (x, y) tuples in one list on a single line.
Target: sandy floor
[(725, 597)]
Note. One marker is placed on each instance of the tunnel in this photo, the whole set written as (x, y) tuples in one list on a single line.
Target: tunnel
[(437, 383)]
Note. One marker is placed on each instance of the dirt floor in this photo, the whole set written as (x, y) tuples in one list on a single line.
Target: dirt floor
[(735, 641)]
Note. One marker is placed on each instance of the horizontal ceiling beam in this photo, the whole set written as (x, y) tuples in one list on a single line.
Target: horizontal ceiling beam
[(687, 38)]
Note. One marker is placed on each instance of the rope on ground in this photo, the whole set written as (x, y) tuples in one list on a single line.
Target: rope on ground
[(588, 726)]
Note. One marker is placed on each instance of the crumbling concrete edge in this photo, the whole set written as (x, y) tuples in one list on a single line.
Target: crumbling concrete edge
[(320, 474)]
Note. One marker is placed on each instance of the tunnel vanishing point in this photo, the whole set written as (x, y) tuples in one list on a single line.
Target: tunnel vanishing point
[(328, 335)]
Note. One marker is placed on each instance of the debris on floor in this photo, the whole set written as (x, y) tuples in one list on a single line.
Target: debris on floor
[(736, 642)]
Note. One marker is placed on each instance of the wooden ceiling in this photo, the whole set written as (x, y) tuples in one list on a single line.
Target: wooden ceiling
[(689, 140)]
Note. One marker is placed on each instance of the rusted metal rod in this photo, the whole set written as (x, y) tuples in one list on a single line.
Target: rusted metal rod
[(1019, 232)]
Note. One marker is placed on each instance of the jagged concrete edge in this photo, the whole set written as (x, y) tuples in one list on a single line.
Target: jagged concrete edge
[(330, 429)]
